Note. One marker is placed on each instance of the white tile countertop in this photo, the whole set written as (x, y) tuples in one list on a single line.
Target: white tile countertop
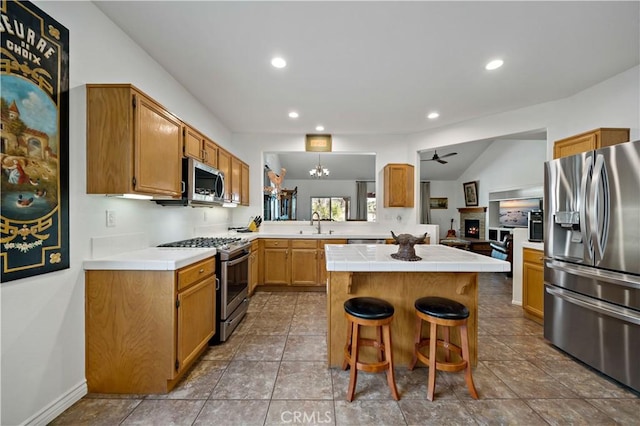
[(150, 259), (435, 258)]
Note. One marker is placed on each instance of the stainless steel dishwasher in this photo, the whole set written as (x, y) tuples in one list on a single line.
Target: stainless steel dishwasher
[(366, 241)]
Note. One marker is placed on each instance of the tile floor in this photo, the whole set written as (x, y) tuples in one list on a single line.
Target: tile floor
[(272, 371)]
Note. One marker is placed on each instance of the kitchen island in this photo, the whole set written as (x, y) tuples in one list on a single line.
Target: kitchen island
[(369, 270)]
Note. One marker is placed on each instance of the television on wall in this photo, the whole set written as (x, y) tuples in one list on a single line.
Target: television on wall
[(514, 213)]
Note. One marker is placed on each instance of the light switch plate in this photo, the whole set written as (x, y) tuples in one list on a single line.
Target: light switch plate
[(111, 218)]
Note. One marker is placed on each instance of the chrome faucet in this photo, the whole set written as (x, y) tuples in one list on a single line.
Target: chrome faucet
[(317, 217)]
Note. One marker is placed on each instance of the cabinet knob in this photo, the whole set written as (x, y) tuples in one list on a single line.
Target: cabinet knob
[(201, 270)]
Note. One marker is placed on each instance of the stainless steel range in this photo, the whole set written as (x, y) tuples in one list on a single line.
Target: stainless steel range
[(232, 268)]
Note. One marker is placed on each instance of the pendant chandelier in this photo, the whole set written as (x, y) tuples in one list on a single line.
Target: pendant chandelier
[(319, 171)]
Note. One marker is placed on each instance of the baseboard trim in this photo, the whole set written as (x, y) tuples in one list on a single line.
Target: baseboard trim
[(57, 407)]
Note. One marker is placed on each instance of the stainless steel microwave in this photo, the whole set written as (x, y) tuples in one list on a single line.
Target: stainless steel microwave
[(202, 185)]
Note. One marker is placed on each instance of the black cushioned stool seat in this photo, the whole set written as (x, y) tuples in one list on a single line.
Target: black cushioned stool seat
[(371, 312), (368, 308), (446, 313), (441, 307)]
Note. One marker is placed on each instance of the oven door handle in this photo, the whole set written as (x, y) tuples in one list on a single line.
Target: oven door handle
[(238, 260), (597, 306)]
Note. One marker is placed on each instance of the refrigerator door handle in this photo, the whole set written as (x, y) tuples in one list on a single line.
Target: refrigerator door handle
[(599, 224), (595, 305), (584, 183), (617, 278)]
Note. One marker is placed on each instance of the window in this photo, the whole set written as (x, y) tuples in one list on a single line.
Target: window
[(331, 208), (371, 207)]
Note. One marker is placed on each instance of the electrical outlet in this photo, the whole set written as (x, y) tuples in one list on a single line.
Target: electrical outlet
[(111, 218)]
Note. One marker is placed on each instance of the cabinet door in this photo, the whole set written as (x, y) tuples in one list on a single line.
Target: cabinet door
[(158, 149), (224, 165), (235, 179), (567, 147), (594, 139), (398, 185), (533, 282), (196, 319), (244, 184), (276, 265), (193, 144), (210, 152), (304, 266), (254, 266)]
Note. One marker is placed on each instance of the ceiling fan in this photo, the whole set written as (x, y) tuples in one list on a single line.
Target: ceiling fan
[(440, 159)]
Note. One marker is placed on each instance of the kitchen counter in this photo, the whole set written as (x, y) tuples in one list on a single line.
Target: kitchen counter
[(435, 258), (150, 259)]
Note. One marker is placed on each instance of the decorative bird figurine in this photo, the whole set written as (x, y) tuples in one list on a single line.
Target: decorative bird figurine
[(277, 179)]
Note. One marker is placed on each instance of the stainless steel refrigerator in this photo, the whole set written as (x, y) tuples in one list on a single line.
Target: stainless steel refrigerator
[(592, 259)]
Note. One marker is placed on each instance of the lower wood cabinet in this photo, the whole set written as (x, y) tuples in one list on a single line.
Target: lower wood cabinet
[(298, 262), (533, 284), (304, 262), (277, 263), (144, 329), (254, 266)]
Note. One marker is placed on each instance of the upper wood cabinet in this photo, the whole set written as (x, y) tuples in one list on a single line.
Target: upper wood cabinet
[(193, 143), (236, 183), (210, 150), (199, 147), (398, 185), (133, 144), (224, 165), (236, 177), (244, 184), (588, 141)]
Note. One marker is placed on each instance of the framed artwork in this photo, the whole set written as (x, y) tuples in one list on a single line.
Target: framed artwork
[(470, 193), (438, 203), (35, 142)]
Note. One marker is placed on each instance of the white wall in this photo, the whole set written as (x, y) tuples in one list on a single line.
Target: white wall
[(43, 317), (505, 164)]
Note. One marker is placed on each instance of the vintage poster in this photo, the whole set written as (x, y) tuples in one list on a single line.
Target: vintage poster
[(35, 138)]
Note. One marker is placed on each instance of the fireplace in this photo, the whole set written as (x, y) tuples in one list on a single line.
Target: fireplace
[(472, 228), (472, 222)]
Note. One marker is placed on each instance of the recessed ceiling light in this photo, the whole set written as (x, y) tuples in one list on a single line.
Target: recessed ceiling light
[(293, 114), (495, 64), (433, 115), (278, 62), (319, 128)]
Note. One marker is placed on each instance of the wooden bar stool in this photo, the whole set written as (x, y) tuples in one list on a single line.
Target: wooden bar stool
[(439, 311), (370, 312)]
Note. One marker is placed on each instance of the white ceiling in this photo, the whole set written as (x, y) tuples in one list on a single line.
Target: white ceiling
[(341, 166), (379, 67)]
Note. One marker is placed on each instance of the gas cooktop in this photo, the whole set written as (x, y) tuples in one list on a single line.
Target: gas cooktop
[(221, 243)]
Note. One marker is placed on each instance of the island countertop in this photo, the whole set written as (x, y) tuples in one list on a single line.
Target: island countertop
[(435, 258)]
